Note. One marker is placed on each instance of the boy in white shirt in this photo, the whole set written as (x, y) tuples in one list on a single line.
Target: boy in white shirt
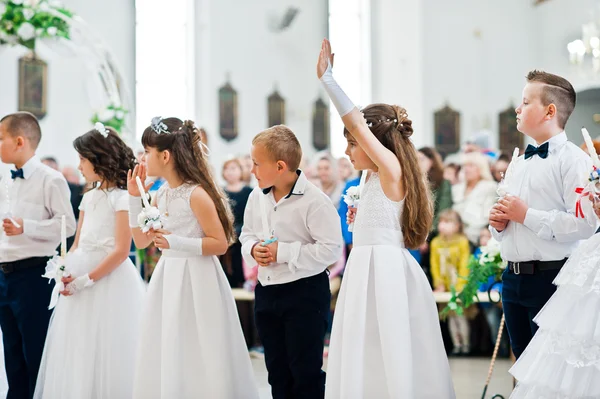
[(292, 296), (537, 223), (33, 199)]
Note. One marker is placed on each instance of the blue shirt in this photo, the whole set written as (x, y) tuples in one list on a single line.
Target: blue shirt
[(343, 210)]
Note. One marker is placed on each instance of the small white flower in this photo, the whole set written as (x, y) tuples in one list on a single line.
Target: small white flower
[(2, 8), (352, 196), (120, 115), (44, 7), (17, 2), (106, 115), (52, 31), (28, 13), (101, 129), (26, 31)]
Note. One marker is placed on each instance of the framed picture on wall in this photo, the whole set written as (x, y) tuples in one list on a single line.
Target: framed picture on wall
[(276, 109), (509, 137), (228, 127), (447, 130), (33, 84)]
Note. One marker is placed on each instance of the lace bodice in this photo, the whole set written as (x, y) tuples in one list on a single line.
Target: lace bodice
[(376, 214), (176, 212), (100, 207)]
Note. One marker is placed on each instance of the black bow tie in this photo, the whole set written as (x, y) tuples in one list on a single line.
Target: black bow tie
[(541, 151), (16, 173)]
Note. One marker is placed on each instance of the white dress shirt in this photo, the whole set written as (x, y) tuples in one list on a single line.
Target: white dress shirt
[(550, 230), (41, 198), (306, 225)]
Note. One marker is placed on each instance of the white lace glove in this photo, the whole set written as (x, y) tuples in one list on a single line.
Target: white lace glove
[(79, 284), (135, 208), (184, 244), (342, 102)]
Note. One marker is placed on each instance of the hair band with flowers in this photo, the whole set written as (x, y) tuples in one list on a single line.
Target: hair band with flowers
[(159, 126), (100, 128)]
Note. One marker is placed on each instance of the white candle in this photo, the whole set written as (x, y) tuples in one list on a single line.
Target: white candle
[(510, 167), (590, 147), (63, 237), (142, 192)]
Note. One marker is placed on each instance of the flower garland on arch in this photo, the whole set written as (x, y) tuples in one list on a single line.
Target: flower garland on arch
[(22, 22)]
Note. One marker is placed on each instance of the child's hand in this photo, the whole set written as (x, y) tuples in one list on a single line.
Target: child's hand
[(513, 207), (498, 220), (10, 229), (273, 250), (351, 215), (262, 255), (159, 239), (132, 187), (66, 280), (325, 58)]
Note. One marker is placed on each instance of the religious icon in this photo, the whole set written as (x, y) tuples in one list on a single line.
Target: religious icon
[(447, 130), (276, 109), (33, 83), (320, 125), (228, 116)]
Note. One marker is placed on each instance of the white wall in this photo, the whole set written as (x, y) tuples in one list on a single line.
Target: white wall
[(478, 76), (69, 110), (233, 36)]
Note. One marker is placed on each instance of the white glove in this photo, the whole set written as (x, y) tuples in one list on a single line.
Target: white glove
[(79, 284), (135, 208), (185, 244), (342, 102)]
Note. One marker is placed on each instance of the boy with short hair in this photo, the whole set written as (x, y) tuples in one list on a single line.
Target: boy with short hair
[(38, 197), (537, 224), (292, 296)]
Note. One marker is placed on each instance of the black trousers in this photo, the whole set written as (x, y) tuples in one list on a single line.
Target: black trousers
[(523, 296), (24, 318), (292, 321)]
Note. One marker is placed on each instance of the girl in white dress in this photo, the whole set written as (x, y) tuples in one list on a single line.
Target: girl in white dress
[(386, 340), (562, 361), (91, 342), (191, 345)]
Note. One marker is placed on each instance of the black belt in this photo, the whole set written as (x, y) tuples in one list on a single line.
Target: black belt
[(531, 267), (11, 267)]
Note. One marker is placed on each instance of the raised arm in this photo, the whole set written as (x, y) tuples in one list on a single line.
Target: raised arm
[(385, 160)]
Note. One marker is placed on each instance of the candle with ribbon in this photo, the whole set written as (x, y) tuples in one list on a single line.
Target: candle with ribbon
[(502, 189), (149, 218), (590, 147), (55, 269)]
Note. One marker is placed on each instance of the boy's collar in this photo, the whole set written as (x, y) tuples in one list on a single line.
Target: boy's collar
[(556, 141), (297, 189), (30, 166)]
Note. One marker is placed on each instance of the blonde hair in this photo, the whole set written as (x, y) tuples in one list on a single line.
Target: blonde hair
[(450, 215), (281, 144), (482, 163)]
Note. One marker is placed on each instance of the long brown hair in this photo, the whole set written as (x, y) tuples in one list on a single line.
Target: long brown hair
[(182, 140), (391, 126), (109, 155), (436, 172)]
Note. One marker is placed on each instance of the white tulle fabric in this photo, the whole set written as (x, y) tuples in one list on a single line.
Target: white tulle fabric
[(563, 359), (386, 340), (92, 337), (191, 345)]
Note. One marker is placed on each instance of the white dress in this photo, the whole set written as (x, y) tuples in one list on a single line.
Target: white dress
[(192, 344), (386, 340), (563, 358), (91, 342)]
